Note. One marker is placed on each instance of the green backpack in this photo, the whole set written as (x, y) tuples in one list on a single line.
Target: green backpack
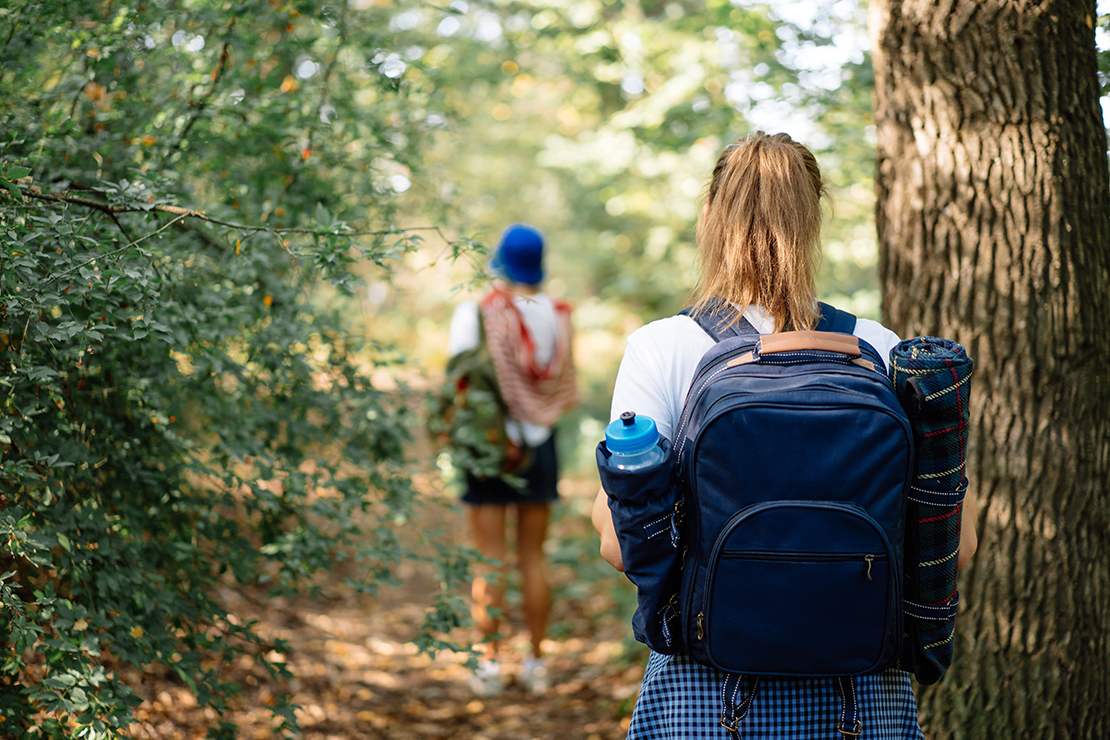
[(468, 416)]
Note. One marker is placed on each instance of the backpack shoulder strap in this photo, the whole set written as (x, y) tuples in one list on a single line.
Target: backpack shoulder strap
[(842, 322), (833, 319), (717, 321)]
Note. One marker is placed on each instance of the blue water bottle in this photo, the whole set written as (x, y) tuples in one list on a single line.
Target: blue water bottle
[(633, 442)]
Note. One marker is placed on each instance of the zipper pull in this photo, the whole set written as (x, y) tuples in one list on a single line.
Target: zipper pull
[(701, 625), (869, 559)]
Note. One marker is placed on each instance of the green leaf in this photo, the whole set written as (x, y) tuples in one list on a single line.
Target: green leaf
[(16, 192), (61, 682), (78, 700)]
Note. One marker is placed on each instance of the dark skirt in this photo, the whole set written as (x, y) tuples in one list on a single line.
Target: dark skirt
[(541, 480)]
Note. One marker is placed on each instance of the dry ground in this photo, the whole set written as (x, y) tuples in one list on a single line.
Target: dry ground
[(358, 677)]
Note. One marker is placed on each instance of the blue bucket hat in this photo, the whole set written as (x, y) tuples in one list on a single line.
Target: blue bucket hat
[(519, 255)]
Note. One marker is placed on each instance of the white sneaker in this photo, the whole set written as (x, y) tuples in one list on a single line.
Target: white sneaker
[(533, 675), (487, 681)]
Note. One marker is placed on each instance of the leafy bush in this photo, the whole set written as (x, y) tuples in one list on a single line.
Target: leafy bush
[(182, 406)]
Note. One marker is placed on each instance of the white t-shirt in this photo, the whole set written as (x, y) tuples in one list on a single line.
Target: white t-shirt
[(538, 313), (661, 358)]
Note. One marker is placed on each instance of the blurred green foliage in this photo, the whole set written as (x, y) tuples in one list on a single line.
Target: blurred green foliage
[(600, 122)]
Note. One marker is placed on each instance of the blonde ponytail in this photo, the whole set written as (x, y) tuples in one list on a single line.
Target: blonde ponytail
[(759, 238)]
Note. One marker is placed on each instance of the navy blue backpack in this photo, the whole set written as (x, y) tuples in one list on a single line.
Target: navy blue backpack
[(795, 462), (783, 506)]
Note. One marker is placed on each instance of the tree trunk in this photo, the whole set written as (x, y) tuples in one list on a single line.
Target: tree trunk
[(994, 230)]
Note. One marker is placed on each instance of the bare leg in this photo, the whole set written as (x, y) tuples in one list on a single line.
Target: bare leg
[(536, 593), (487, 525)]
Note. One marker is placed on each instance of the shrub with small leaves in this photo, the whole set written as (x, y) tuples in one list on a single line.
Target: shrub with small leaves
[(189, 194)]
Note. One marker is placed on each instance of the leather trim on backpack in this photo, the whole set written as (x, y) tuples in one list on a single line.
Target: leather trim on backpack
[(796, 341), (743, 359)]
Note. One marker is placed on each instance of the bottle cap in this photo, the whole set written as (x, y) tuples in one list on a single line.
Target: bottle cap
[(631, 433)]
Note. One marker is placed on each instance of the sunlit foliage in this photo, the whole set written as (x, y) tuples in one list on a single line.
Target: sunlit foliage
[(599, 122)]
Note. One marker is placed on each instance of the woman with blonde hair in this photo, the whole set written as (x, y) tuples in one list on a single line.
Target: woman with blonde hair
[(759, 248)]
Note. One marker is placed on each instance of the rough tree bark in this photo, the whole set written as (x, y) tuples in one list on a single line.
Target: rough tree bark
[(994, 230)]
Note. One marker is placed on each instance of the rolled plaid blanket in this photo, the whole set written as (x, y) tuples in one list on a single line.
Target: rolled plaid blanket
[(932, 378)]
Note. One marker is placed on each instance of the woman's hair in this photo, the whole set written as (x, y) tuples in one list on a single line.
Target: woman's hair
[(760, 240)]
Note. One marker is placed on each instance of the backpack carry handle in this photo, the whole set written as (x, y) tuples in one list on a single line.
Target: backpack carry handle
[(806, 341), (801, 341)]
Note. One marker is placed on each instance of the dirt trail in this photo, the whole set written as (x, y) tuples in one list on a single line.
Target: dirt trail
[(358, 677)]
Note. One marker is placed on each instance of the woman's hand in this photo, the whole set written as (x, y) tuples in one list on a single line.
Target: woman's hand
[(602, 520)]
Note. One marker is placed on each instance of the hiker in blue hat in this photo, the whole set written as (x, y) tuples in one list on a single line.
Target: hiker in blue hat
[(528, 337), (519, 257)]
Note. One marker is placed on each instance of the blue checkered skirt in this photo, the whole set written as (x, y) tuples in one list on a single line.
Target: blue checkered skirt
[(682, 700)]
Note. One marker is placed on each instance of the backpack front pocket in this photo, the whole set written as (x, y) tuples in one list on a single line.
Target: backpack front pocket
[(801, 588)]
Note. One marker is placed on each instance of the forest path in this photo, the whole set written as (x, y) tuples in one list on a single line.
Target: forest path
[(357, 676)]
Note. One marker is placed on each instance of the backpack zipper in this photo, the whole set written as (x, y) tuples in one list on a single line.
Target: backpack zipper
[(868, 559), (709, 374), (788, 555), (711, 414), (704, 377), (711, 371)]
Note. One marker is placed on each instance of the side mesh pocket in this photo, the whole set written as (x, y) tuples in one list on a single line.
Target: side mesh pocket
[(646, 516)]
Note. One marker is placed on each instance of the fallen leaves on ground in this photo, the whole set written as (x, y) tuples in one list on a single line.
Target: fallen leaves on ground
[(357, 676)]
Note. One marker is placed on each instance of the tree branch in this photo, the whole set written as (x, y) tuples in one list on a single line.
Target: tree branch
[(200, 234), (11, 34), (109, 255), (199, 106), (36, 193), (119, 226)]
